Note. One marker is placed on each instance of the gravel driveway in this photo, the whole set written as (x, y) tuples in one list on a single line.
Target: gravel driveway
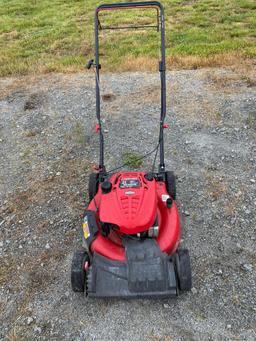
[(47, 148)]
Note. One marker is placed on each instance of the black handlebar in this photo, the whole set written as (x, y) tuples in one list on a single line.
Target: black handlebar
[(130, 4), (96, 64)]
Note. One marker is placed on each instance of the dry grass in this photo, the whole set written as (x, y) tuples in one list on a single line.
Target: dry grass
[(228, 81), (217, 60), (234, 203), (149, 94), (216, 189), (203, 111), (24, 85), (131, 63), (8, 268), (14, 335)]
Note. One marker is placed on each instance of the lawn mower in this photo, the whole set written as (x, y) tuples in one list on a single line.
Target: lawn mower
[(131, 228)]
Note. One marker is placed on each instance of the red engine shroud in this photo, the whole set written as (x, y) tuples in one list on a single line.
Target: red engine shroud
[(133, 204)]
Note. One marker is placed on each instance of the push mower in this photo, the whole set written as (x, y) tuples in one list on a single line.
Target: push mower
[(131, 228)]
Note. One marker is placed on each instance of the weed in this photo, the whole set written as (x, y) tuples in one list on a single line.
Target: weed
[(77, 134), (249, 81), (132, 160), (251, 120), (30, 133), (14, 335)]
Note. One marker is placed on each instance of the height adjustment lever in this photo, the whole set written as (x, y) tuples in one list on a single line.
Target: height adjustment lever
[(90, 64)]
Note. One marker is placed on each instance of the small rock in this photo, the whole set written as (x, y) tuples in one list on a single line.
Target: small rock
[(228, 326), (38, 330), (187, 213), (47, 246), (166, 306), (252, 181), (29, 320), (247, 267), (194, 291), (58, 173)]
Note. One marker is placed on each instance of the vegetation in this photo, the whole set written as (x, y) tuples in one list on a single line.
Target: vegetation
[(132, 160), (44, 36)]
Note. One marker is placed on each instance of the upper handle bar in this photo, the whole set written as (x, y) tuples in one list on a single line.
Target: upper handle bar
[(126, 5), (141, 4)]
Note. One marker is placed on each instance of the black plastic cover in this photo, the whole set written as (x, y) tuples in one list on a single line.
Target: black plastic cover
[(147, 272)]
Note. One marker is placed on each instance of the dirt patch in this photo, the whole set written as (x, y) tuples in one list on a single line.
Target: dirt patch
[(108, 97), (34, 101)]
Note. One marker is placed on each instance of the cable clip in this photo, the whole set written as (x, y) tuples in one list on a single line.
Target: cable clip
[(97, 128)]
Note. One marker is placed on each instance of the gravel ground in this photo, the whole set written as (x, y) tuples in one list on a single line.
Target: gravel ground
[(47, 150)]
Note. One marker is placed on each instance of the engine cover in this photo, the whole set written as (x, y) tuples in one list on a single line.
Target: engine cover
[(131, 204)]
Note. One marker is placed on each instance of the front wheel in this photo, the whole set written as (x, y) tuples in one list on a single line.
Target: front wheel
[(170, 182), (93, 185), (78, 271)]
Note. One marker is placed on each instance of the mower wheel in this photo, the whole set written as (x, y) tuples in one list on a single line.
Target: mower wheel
[(170, 182), (78, 272), (93, 185), (183, 268)]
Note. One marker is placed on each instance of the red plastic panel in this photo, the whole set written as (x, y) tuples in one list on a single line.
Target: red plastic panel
[(111, 208), (132, 209)]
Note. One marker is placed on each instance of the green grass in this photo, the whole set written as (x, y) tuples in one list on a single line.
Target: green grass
[(44, 36), (132, 160)]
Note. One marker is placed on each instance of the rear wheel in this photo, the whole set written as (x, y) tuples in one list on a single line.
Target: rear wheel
[(78, 272), (183, 270), (170, 182), (93, 185)]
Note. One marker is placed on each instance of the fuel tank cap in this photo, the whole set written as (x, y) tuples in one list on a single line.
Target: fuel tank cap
[(149, 176), (106, 186)]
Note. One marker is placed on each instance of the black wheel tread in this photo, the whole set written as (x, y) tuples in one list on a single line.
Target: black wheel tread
[(184, 270), (93, 185), (171, 184), (78, 275)]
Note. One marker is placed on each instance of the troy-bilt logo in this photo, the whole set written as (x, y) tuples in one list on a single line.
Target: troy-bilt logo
[(129, 193)]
